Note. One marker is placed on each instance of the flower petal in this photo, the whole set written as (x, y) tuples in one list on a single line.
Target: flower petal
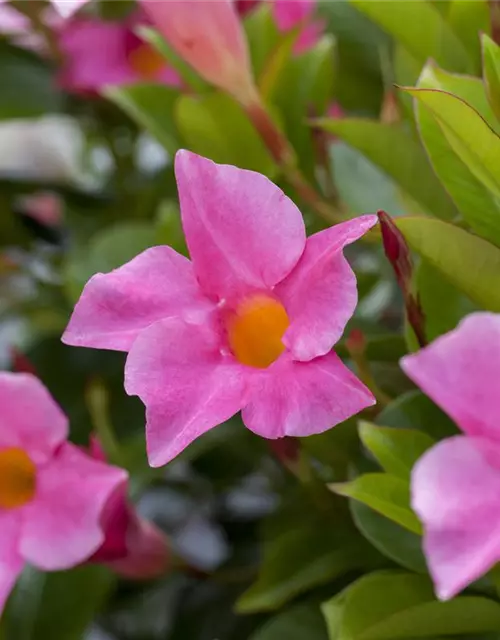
[(188, 387), (116, 306), (243, 233), (302, 398), (30, 418), (460, 371), (456, 494), (62, 526), (290, 13), (320, 293), (66, 8), (11, 563)]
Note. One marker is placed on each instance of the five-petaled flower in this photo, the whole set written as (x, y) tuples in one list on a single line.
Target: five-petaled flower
[(248, 324), (456, 484), (52, 495)]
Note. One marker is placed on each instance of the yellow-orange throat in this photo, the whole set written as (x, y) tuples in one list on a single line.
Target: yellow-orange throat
[(17, 478), (145, 61), (256, 329)]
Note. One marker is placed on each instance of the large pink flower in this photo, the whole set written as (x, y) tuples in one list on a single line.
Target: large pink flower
[(248, 324), (290, 14), (456, 484), (100, 54), (52, 495)]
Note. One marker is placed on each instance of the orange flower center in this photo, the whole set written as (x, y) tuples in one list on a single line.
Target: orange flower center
[(145, 61), (255, 331), (17, 478)]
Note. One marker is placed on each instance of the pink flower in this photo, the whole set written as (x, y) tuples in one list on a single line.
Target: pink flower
[(456, 484), (51, 494), (248, 324), (209, 36), (290, 14), (67, 8), (100, 54), (133, 547)]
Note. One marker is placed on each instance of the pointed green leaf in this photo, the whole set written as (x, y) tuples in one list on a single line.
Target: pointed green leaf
[(386, 494), (491, 71), (394, 605), (303, 621), (151, 106), (468, 262), (467, 133), (420, 28), (396, 450), (215, 126), (398, 153), (468, 20)]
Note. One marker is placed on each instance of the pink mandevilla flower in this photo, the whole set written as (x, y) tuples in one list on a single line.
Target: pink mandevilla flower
[(290, 14), (52, 495), (456, 484), (133, 547), (100, 54), (248, 324)]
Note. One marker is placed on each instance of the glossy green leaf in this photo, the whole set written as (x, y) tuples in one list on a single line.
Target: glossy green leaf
[(396, 450), (398, 153), (386, 494), (59, 606), (302, 556), (491, 72), (151, 106), (468, 262), (215, 126), (468, 20), (414, 410), (304, 621), (442, 303), (393, 605), (467, 133), (393, 541), (263, 36), (28, 87), (420, 28)]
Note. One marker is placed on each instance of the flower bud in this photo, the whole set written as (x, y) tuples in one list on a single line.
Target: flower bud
[(208, 35)]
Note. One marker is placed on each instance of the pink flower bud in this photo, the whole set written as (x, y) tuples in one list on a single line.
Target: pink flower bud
[(208, 35)]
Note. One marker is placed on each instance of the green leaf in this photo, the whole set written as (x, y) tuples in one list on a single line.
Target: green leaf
[(108, 249), (491, 71), (396, 450), (151, 106), (443, 304), (468, 262), (468, 20), (304, 621), (28, 87), (59, 606), (216, 126), (479, 207), (398, 153), (310, 553), (414, 410), (393, 605), (421, 29), (263, 36), (393, 541), (468, 134), (387, 494)]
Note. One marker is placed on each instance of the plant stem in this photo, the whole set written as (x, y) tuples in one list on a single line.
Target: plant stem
[(97, 401)]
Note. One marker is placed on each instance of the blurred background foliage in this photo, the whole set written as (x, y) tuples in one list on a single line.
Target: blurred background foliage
[(272, 552)]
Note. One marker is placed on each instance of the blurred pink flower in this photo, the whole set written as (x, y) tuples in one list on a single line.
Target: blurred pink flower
[(290, 14), (100, 54), (456, 484), (45, 207), (67, 8), (247, 325), (52, 495), (133, 547), (209, 36)]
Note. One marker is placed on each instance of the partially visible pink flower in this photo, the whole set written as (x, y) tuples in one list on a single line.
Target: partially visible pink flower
[(99, 54), (243, 7), (52, 495), (133, 547), (67, 8), (45, 207), (456, 484), (248, 324), (290, 14), (208, 35)]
